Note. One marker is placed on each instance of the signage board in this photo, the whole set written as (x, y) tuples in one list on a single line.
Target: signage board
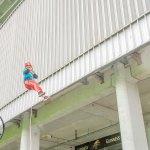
[(100, 143)]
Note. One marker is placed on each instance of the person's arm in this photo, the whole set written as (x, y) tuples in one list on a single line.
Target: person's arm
[(31, 71), (34, 74), (26, 71)]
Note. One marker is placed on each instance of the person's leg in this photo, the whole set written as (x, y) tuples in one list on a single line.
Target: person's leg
[(36, 87), (27, 85)]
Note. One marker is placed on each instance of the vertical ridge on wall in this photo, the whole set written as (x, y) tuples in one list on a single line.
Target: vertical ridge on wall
[(54, 33), (87, 64)]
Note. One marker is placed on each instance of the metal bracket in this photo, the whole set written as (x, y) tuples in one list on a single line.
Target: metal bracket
[(137, 57), (100, 77), (34, 112), (16, 122), (124, 61), (84, 81), (76, 134)]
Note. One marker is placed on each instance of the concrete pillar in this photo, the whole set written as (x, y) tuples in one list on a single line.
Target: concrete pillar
[(130, 112), (25, 132), (35, 138), (30, 137), (148, 136)]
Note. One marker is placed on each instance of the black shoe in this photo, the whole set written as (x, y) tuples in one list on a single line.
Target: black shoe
[(46, 97), (40, 94)]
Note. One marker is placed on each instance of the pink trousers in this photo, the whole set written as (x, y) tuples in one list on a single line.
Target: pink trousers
[(32, 85)]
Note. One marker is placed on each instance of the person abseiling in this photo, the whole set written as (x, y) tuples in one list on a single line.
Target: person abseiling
[(29, 75)]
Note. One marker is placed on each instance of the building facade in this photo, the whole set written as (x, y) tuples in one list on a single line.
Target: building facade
[(92, 57)]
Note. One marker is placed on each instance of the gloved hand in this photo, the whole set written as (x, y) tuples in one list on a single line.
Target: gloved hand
[(35, 76)]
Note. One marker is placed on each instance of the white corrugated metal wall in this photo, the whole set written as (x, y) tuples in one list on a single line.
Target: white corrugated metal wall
[(52, 33), (124, 41)]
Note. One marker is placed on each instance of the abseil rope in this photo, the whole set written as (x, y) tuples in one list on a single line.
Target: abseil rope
[(30, 129)]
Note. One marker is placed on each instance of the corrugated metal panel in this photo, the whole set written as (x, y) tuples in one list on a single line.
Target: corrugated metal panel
[(53, 33), (117, 45)]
